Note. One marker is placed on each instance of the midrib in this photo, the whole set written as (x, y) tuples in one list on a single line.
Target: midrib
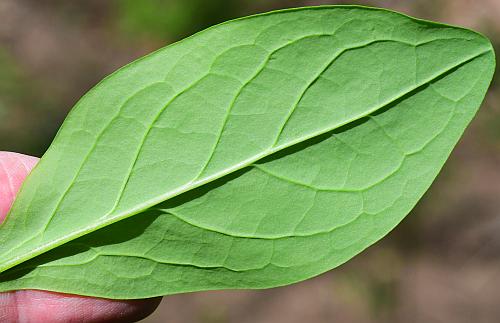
[(10, 262)]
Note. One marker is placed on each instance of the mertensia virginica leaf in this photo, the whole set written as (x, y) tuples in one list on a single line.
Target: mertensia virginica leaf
[(257, 153)]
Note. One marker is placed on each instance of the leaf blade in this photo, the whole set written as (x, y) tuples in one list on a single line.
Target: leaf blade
[(479, 49)]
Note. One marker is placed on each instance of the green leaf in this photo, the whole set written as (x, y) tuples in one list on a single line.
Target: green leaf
[(257, 153)]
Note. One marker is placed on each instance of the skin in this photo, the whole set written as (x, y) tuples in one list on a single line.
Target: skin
[(41, 306)]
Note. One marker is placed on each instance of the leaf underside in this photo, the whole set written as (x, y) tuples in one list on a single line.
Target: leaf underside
[(257, 153)]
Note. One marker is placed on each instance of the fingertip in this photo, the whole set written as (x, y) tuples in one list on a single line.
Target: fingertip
[(14, 168), (17, 159)]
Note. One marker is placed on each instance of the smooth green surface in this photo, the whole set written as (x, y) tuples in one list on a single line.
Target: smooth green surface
[(257, 153)]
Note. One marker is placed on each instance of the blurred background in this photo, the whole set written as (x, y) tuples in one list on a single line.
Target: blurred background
[(442, 264)]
